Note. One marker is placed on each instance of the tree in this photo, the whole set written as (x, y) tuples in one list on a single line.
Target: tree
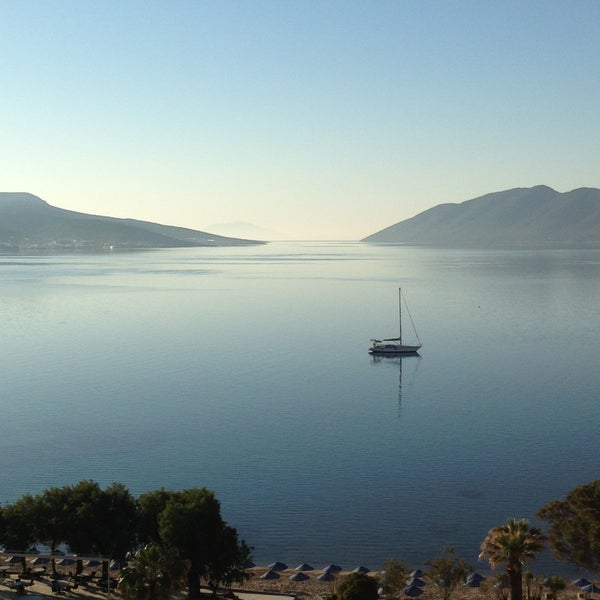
[(555, 584), (358, 586), (190, 523), (155, 573), (52, 516), (574, 534), (512, 544), (18, 525), (447, 571), (394, 575), (148, 508), (101, 522), (228, 561)]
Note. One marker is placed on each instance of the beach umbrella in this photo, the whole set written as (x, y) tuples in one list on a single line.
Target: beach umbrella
[(415, 581), (32, 550), (581, 582), (332, 569), (326, 576), (277, 566), (299, 576), (413, 591), (475, 577), (92, 563), (417, 573), (472, 583), (270, 574), (66, 562), (361, 569), (594, 589), (40, 560), (304, 567), (13, 560)]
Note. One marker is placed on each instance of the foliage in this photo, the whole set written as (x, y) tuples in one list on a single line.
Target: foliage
[(110, 523), (555, 584), (447, 571), (19, 524), (574, 533), (357, 586), (52, 514), (148, 508), (101, 522), (395, 573), (512, 545), (228, 560), (191, 522), (533, 586), (155, 573)]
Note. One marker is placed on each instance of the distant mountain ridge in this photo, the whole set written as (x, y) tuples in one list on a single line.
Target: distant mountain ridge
[(28, 222), (536, 217)]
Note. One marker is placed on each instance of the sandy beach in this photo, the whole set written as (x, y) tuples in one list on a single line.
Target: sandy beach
[(258, 589)]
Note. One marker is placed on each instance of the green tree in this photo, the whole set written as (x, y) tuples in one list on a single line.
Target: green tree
[(574, 533), (18, 525), (555, 584), (393, 578), (52, 516), (101, 522), (148, 508), (534, 585), (190, 523), (357, 586), (154, 574), (512, 545), (447, 571), (228, 561)]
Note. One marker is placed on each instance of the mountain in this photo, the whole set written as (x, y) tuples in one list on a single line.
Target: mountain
[(243, 230), (28, 222), (537, 217)]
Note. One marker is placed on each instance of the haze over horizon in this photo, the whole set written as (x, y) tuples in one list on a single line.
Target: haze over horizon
[(313, 120)]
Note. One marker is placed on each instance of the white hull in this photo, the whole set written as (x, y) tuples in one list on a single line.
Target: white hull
[(393, 349)]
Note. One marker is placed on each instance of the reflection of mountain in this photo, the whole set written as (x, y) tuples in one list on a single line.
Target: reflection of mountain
[(397, 361), (27, 222)]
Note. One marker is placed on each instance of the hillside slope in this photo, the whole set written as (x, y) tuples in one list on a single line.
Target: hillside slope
[(28, 222), (537, 217)]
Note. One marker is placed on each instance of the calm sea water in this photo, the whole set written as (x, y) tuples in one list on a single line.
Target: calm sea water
[(245, 370)]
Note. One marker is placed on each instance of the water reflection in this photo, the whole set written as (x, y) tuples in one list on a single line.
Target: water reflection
[(413, 359)]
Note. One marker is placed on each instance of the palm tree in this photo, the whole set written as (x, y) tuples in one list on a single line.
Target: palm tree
[(512, 544), (154, 574)]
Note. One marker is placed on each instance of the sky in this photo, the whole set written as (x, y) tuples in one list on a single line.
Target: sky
[(315, 120)]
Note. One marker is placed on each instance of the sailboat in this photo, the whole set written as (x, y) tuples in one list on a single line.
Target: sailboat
[(394, 345)]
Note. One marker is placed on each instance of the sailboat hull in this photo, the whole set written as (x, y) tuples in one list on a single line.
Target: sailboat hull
[(393, 349)]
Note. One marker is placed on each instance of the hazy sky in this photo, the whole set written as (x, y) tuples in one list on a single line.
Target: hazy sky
[(314, 119)]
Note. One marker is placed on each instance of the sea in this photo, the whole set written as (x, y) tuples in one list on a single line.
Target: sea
[(245, 370)]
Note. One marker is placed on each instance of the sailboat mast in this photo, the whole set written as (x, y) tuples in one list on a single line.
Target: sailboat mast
[(400, 315)]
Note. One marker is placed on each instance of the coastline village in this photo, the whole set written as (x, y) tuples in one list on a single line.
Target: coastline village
[(85, 542)]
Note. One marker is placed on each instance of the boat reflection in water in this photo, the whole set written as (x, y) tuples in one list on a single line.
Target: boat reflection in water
[(396, 360)]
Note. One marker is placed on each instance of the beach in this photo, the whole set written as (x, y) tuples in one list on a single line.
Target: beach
[(256, 588)]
